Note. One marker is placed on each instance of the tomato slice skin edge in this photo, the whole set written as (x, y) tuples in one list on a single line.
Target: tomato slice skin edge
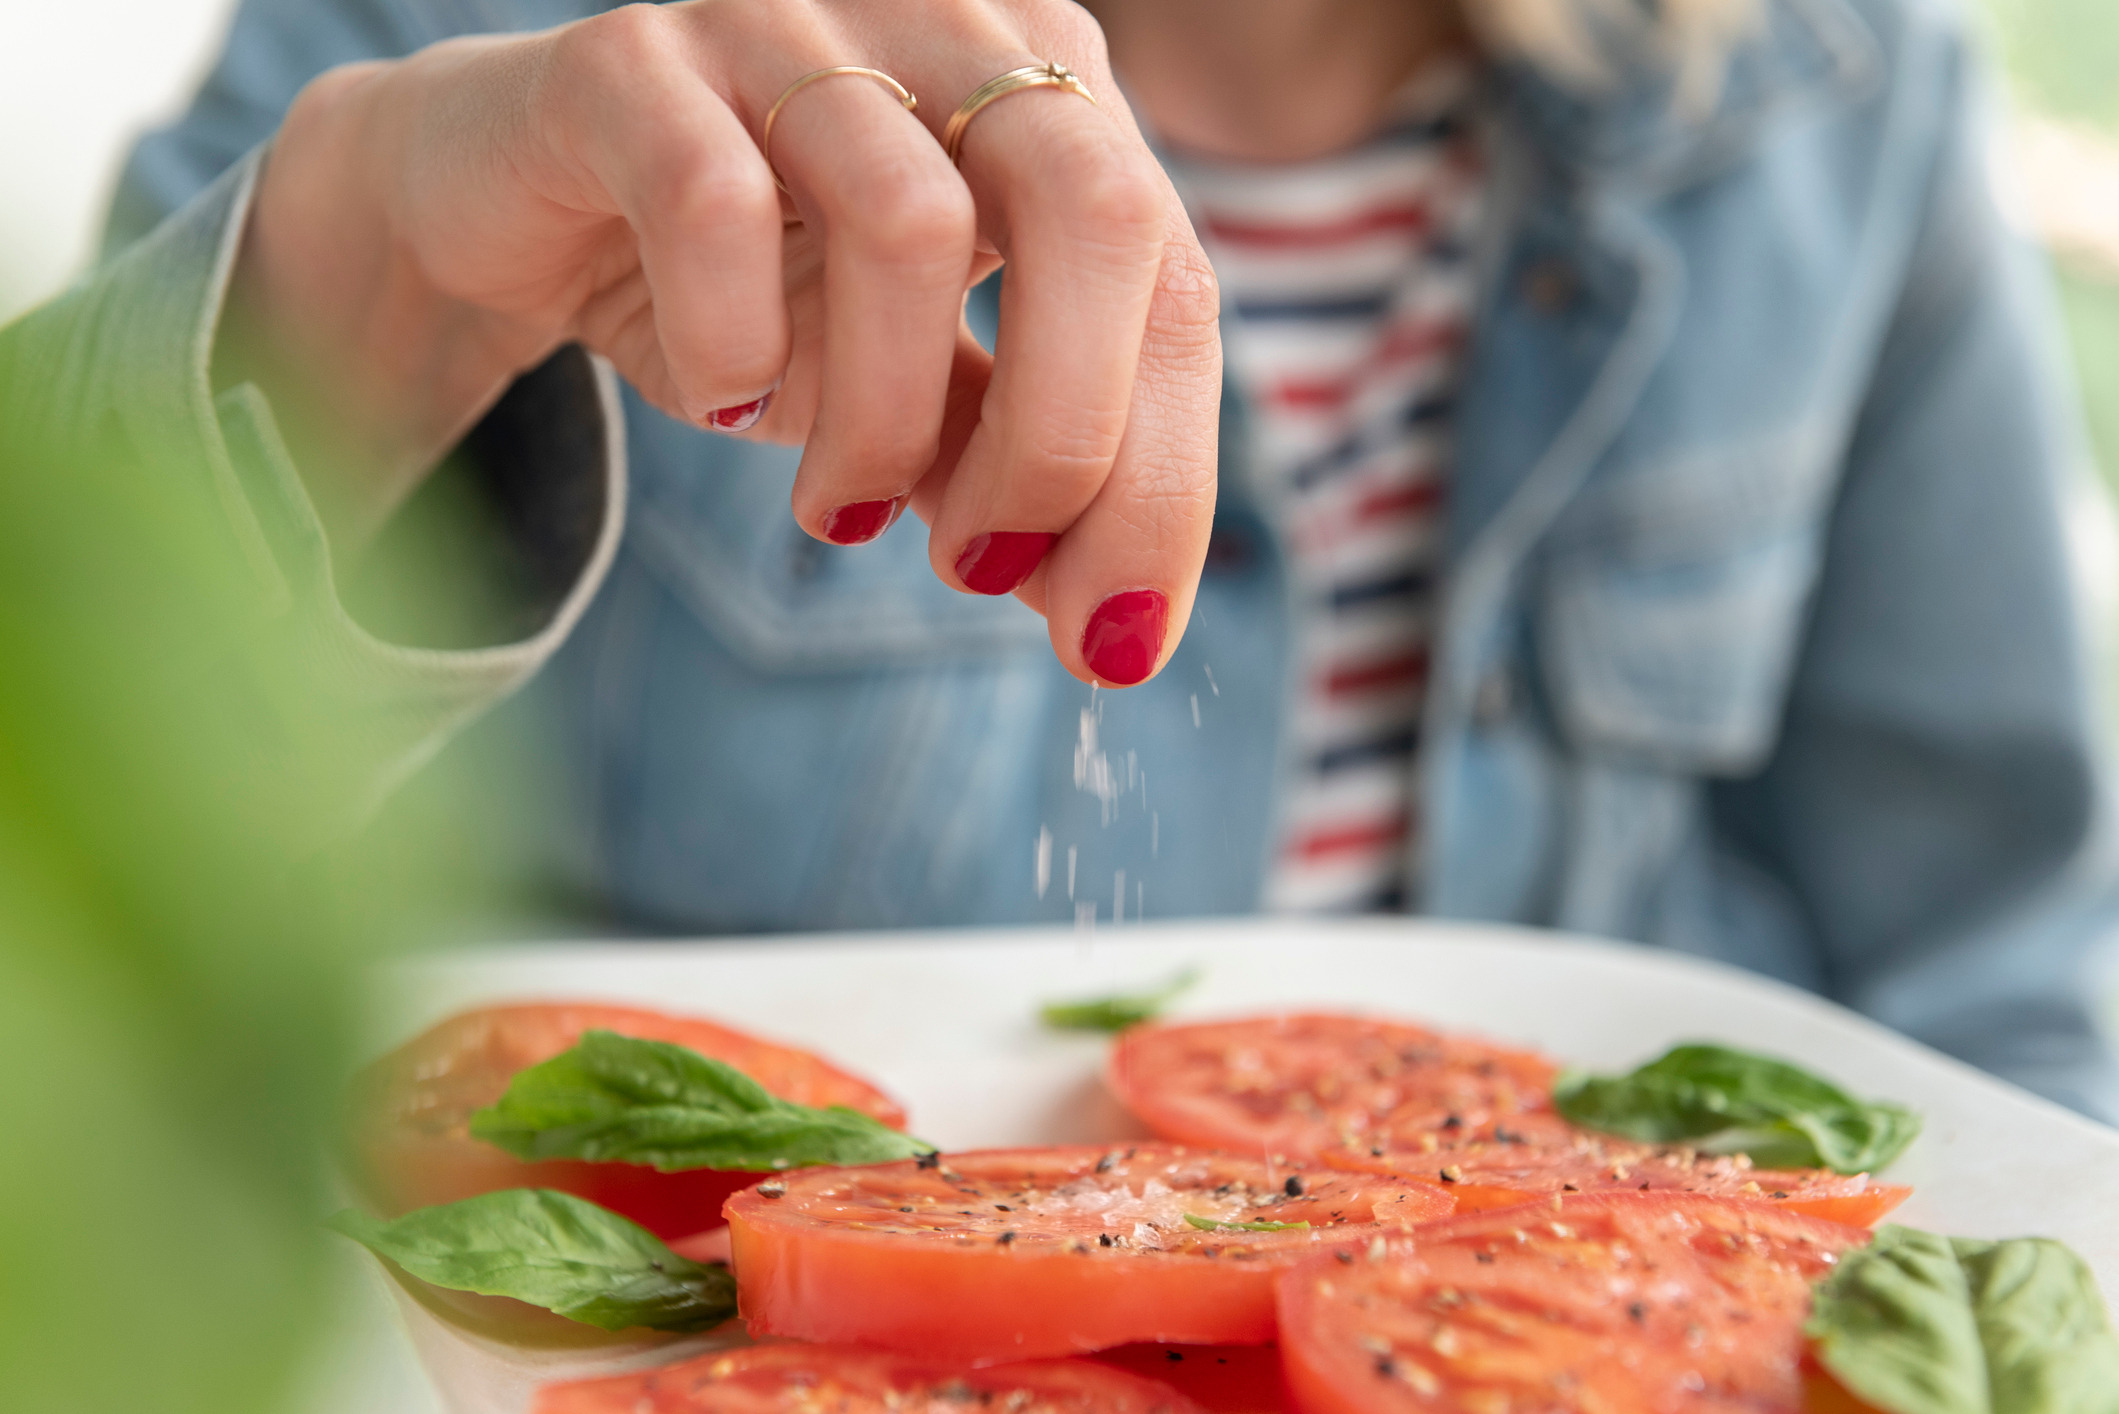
[(968, 1310)]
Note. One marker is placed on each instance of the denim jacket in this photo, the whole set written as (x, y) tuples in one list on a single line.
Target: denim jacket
[(1757, 641)]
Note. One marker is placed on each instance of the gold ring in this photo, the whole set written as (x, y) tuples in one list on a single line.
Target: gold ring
[(1047, 75), (772, 114)]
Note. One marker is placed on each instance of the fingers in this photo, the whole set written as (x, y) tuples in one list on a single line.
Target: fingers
[(1117, 588), (1079, 214), (897, 229), (704, 324), (1087, 485)]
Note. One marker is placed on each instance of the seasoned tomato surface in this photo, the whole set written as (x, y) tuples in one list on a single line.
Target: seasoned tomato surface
[(1535, 1156), (824, 1379), (1019, 1252), (1301, 1084), (411, 1144), (1642, 1303), (1363, 1094)]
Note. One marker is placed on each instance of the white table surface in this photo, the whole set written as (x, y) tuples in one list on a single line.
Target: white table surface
[(946, 1022)]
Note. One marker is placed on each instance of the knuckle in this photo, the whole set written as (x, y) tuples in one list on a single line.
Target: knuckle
[(907, 212), (1076, 443), (1070, 30), (704, 189), (1187, 292), (1116, 198), (614, 43)]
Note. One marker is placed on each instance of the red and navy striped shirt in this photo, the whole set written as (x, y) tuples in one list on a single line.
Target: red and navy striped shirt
[(1350, 282)]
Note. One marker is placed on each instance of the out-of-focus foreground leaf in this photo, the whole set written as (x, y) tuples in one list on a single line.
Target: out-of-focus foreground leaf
[(179, 923)]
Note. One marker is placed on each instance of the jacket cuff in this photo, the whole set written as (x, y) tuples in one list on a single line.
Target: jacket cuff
[(128, 352)]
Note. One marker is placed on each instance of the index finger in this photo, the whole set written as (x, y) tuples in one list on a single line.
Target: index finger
[(1117, 589), (1101, 265)]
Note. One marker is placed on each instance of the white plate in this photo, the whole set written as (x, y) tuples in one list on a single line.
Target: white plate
[(947, 1023)]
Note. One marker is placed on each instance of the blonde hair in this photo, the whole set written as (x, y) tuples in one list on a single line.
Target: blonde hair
[(1585, 43)]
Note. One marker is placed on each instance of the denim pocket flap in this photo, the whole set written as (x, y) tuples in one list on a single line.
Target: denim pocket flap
[(1673, 600)]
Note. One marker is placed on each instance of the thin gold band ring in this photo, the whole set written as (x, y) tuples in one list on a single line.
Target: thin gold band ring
[(772, 114), (1046, 75)]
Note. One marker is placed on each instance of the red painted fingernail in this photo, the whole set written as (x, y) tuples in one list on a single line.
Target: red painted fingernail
[(861, 522), (999, 561), (740, 418), (1125, 634)]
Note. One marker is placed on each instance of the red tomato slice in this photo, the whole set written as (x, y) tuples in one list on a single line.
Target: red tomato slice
[(844, 1380), (1223, 1379), (1029, 1252), (1302, 1084), (1644, 1303), (1537, 1156), (1385, 1097), (411, 1145)]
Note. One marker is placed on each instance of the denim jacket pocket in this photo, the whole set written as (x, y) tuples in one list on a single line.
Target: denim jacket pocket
[(1673, 597), (710, 518)]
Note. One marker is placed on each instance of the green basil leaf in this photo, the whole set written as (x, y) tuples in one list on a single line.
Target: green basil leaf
[(1920, 1324), (1118, 1011), (1217, 1225), (1894, 1324), (551, 1250), (619, 1099), (2048, 1340), (1727, 1101)]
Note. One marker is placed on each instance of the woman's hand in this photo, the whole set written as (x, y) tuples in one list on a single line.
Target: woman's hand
[(426, 229)]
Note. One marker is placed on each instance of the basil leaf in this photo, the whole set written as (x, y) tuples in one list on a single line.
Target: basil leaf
[(1118, 1011), (1920, 1324), (619, 1099), (1726, 1101), (2049, 1343), (1217, 1225), (1894, 1324), (551, 1250)]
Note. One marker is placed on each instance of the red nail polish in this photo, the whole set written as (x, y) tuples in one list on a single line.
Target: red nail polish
[(861, 522), (999, 561), (1125, 634), (740, 418)]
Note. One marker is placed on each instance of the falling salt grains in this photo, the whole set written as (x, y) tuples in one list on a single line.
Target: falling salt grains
[(1210, 679), (1070, 871), (1155, 834), (1195, 711), (1044, 860), (1085, 916), (1092, 768)]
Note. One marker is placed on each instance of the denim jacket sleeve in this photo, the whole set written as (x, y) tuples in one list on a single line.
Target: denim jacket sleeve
[(1935, 801), (123, 362)]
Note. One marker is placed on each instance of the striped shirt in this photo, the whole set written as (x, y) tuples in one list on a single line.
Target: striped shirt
[(1351, 285)]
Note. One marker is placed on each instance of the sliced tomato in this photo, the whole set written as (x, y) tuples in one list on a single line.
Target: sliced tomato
[(1028, 1252), (411, 1142), (1646, 1303), (1536, 1156), (1301, 1084), (1387, 1097), (1223, 1379), (846, 1380)]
